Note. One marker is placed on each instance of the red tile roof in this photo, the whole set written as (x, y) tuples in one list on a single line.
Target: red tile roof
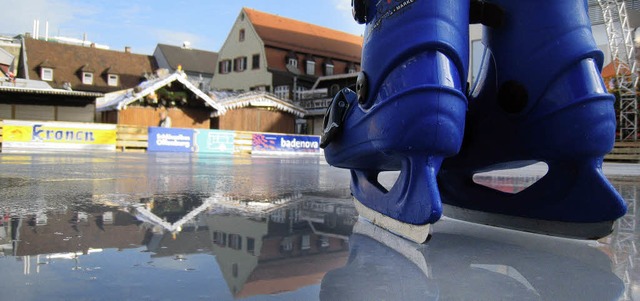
[(68, 61), (280, 32)]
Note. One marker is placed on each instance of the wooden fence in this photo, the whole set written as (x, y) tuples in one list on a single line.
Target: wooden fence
[(131, 138)]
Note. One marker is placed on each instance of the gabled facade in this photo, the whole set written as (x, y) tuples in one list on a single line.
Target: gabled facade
[(187, 106), (271, 53), (80, 68), (198, 65)]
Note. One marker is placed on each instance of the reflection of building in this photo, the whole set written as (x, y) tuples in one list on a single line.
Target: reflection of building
[(283, 251), (75, 231)]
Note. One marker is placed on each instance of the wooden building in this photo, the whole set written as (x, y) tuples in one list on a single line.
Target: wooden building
[(256, 112), (187, 106)]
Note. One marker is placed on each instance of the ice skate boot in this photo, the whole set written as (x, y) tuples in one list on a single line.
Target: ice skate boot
[(539, 98), (407, 112)]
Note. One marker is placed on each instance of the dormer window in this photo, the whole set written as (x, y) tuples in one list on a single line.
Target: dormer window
[(292, 62), (351, 68), (87, 78), (292, 59), (310, 65), (328, 67), (46, 74), (112, 80)]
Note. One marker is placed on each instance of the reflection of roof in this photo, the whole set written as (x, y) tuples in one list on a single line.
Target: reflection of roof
[(121, 99), (45, 239), (291, 273), (235, 100), (145, 215)]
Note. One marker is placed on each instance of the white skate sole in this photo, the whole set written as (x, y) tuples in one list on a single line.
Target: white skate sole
[(416, 233)]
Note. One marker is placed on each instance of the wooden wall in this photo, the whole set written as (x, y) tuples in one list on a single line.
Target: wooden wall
[(257, 120), (180, 118)]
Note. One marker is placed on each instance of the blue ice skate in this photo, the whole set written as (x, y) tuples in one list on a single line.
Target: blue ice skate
[(407, 112), (540, 98)]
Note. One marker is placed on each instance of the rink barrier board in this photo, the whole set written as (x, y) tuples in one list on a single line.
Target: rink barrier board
[(131, 138)]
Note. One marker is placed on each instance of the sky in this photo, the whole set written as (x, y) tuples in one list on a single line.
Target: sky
[(141, 25)]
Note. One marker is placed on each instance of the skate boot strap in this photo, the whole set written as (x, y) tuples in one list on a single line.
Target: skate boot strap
[(485, 13)]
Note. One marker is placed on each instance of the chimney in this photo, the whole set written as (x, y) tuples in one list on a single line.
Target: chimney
[(127, 49)]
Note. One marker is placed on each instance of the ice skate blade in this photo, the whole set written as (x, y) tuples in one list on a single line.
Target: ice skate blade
[(555, 228), (416, 233)]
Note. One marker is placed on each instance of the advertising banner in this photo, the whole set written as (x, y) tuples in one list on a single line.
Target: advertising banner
[(288, 144), (171, 140), (214, 141), (63, 136)]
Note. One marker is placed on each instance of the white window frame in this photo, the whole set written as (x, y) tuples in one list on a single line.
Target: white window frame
[(87, 78), (311, 67), (292, 62), (46, 74), (281, 92), (328, 69), (226, 66), (112, 80), (240, 64)]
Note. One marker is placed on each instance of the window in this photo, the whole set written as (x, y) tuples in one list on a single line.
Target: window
[(251, 246), (87, 78), (220, 239), (328, 69), (241, 35), (224, 66), (240, 64), (293, 62), (282, 92), (235, 241), (311, 67), (46, 74), (351, 68), (306, 242), (255, 61), (112, 80)]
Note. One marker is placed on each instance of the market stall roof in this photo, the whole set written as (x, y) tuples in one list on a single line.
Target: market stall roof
[(39, 87), (235, 100), (121, 99)]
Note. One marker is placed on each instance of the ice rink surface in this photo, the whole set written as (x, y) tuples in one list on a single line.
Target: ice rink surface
[(167, 226)]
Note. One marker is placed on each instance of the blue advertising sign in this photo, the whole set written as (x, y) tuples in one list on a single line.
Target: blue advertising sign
[(214, 141), (170, 140), (274, 143)]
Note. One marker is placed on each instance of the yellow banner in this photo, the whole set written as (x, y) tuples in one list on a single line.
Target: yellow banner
[(52, 133), (33, 134)]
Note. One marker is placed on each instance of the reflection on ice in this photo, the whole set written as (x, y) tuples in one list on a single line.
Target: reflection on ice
[(223, 228), (466, 262)]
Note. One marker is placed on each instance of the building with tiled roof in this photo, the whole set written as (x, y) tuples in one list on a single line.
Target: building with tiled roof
[(198, 65), (82, 68), (280, 55)]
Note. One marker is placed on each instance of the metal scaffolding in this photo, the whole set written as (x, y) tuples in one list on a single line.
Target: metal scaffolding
[(621, 45)]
